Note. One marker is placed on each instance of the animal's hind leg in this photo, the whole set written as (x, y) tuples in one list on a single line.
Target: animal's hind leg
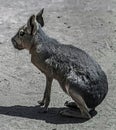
[(70, 104), (84, 111), (73, 105)]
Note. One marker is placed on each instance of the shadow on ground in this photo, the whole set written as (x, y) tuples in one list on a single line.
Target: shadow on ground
[(35, 112)]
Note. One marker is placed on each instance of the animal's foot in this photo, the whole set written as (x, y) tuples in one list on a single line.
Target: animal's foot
[(41, 103), (74, 113), (43, 110), (70, 104)]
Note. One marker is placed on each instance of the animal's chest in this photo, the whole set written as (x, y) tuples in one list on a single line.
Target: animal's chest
[(41, 65), (38, 63)]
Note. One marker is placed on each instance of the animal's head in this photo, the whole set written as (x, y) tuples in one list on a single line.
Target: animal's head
[(24, 36)]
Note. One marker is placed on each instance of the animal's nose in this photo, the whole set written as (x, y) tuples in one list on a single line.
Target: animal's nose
[(12, 40)]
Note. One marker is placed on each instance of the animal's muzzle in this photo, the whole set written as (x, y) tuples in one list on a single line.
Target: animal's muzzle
[(15, 44)]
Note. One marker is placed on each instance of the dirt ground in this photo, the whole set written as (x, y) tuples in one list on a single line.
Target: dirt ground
[(87, 24)]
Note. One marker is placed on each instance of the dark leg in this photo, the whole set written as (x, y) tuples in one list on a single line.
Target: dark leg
[(46, 98)]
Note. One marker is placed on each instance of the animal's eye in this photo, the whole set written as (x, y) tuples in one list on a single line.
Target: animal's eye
[(21, 33)]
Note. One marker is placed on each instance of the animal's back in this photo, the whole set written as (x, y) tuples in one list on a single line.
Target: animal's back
[(83, 73)]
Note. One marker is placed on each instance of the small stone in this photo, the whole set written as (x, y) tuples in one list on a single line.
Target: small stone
[(94, 42), (69, 27), (59, 17), (65, 23)]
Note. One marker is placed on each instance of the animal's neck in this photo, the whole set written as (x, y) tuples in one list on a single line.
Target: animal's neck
[(42, 37), (39, 39)]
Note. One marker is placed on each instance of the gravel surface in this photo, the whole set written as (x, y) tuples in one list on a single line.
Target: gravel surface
[(87, 24)]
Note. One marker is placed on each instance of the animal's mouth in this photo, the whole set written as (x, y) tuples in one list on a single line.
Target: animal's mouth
[(15, 44)]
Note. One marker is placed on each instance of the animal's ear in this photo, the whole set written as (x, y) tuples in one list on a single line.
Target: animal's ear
[(39, 18), (32, 25)]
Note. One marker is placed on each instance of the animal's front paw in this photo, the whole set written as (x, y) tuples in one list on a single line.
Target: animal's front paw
[(43, 110), (41, 103)]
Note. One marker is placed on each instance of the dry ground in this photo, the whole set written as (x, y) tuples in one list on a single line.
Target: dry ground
[(87, 24)]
